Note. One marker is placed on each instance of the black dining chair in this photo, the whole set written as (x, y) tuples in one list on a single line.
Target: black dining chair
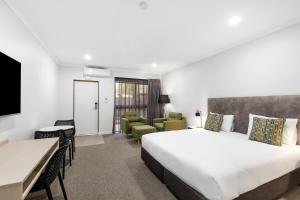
[(69, 133), (63, 140), (51, 172)]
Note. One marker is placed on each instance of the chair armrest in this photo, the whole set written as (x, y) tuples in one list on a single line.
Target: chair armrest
[(159, 120), (144, 120), (125, 125), (175, 125), (184, 123)]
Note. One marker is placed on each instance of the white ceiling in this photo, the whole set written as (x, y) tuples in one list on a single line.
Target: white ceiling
[(172, 33)]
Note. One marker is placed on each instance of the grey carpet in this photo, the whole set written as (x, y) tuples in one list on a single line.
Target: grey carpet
[(115, 171), (89, 140), (111, 171)]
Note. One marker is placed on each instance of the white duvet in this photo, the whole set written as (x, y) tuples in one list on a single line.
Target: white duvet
[(220, 165)]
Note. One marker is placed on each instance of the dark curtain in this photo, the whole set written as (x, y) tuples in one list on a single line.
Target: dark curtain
[(154, 110), (130, 95)]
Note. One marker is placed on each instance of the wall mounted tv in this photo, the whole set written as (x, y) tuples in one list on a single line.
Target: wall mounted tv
[(10, 86)]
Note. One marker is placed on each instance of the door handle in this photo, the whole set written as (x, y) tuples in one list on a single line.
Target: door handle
[(96, 105)]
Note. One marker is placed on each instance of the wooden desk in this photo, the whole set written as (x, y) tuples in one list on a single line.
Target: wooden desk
[(21, 163)]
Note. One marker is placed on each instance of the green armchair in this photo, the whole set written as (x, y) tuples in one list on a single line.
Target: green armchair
[(130, 119), (175, 121)]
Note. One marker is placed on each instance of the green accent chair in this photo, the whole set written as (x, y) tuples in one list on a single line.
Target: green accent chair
[(175, 121), (130, 119)]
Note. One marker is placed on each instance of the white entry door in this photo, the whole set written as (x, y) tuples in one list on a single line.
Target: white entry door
[(86, 105)]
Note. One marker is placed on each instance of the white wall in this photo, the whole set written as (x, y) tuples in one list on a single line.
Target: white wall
[(267, 66), (39, 78), (106, 94)]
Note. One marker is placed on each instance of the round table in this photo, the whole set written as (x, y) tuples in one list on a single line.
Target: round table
[(56, 128), (68, 129)]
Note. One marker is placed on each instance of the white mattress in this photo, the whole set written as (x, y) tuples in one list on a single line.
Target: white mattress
[(220, 165)]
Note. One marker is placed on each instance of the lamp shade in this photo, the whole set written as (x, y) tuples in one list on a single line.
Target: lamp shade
[(164, 99)]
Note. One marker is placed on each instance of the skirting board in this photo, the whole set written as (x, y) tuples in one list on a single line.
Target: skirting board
[(105, 132), (100, 133)]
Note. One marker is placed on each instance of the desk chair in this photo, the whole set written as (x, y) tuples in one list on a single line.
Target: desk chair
[(52, 171)]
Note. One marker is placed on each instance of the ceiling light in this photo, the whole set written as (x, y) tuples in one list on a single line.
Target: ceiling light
[(154, 65), (234, 20), (143, 5), (87, 57)]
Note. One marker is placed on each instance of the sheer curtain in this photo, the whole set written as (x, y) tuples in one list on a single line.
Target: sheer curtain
[(130, 95)]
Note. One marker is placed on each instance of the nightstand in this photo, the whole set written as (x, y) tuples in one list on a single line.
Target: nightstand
[(193, 127)]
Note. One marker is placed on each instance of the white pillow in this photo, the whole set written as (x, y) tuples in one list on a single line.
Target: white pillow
[(227, 124), (289, 135)]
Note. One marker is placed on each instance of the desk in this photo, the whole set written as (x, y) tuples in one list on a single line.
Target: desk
[(21, 164)]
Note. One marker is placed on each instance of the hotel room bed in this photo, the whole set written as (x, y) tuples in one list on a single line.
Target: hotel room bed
[(220, 165), (199, 164)]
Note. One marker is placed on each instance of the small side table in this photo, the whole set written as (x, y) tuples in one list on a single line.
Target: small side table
[(68, 133), (56, 128), (193, 127)]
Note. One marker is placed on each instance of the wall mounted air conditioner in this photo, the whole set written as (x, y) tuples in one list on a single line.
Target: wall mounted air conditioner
[(94, 71)]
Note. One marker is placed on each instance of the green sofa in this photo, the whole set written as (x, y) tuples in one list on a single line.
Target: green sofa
[(130, 119), (175, 121)]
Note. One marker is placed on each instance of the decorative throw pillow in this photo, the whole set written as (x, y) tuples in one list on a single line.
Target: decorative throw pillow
[(268, 131), (227, 123), (289, 135), (213, 122), (274, 131), (258, 129)]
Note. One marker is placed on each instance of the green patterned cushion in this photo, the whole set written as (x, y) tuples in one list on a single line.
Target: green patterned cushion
[(213, 122), (258, 129), (268, 131)]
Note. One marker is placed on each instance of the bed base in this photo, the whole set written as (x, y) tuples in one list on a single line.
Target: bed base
[(183, 191), (153, 165)]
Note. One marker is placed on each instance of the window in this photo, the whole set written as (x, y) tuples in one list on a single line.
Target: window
[(131, 95)]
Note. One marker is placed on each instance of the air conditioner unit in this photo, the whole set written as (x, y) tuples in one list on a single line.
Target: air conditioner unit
[(93, 71)]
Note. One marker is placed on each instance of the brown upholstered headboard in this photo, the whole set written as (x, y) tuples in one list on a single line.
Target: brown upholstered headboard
[(273, 106)]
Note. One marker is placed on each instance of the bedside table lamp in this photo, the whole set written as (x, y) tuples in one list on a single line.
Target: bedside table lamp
[(199, 114), (164, 99)]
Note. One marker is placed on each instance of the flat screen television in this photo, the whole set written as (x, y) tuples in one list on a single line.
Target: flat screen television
[(10, 86)]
